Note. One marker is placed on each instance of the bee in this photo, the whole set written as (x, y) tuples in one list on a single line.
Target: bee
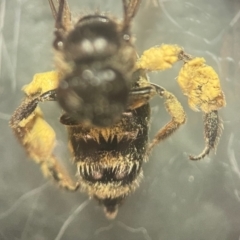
[(103, 89)]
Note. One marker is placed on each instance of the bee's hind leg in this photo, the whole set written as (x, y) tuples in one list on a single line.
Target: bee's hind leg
[(38, 138)]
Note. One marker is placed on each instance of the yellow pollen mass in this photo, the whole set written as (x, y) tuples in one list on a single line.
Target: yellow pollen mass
[(200, 83), (159, 57)]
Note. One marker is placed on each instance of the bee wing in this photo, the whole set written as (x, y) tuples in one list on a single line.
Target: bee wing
[(130, 8), (61, 13), (53, 8)]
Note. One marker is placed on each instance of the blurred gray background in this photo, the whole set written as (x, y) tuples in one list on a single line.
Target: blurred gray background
[(178, 199)]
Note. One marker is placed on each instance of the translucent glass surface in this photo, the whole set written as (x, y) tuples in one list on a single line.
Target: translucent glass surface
[(177, 199)]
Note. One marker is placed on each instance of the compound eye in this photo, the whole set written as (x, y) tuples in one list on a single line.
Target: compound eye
[(94, 97)]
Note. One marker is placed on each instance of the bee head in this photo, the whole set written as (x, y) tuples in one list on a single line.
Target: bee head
[(94, 37)]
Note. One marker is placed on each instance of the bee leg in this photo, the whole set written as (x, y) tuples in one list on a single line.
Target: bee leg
[(159, 58), (176, 111), (198, 81), (140, 96), (52, 169), (42, 83), (38, 138), (212, 131)]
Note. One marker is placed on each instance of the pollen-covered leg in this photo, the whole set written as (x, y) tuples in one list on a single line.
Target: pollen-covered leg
[(159, 57), (200, 83), (212, 131), (38, 138), (41, 83), (175, 109), (52, 169)]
